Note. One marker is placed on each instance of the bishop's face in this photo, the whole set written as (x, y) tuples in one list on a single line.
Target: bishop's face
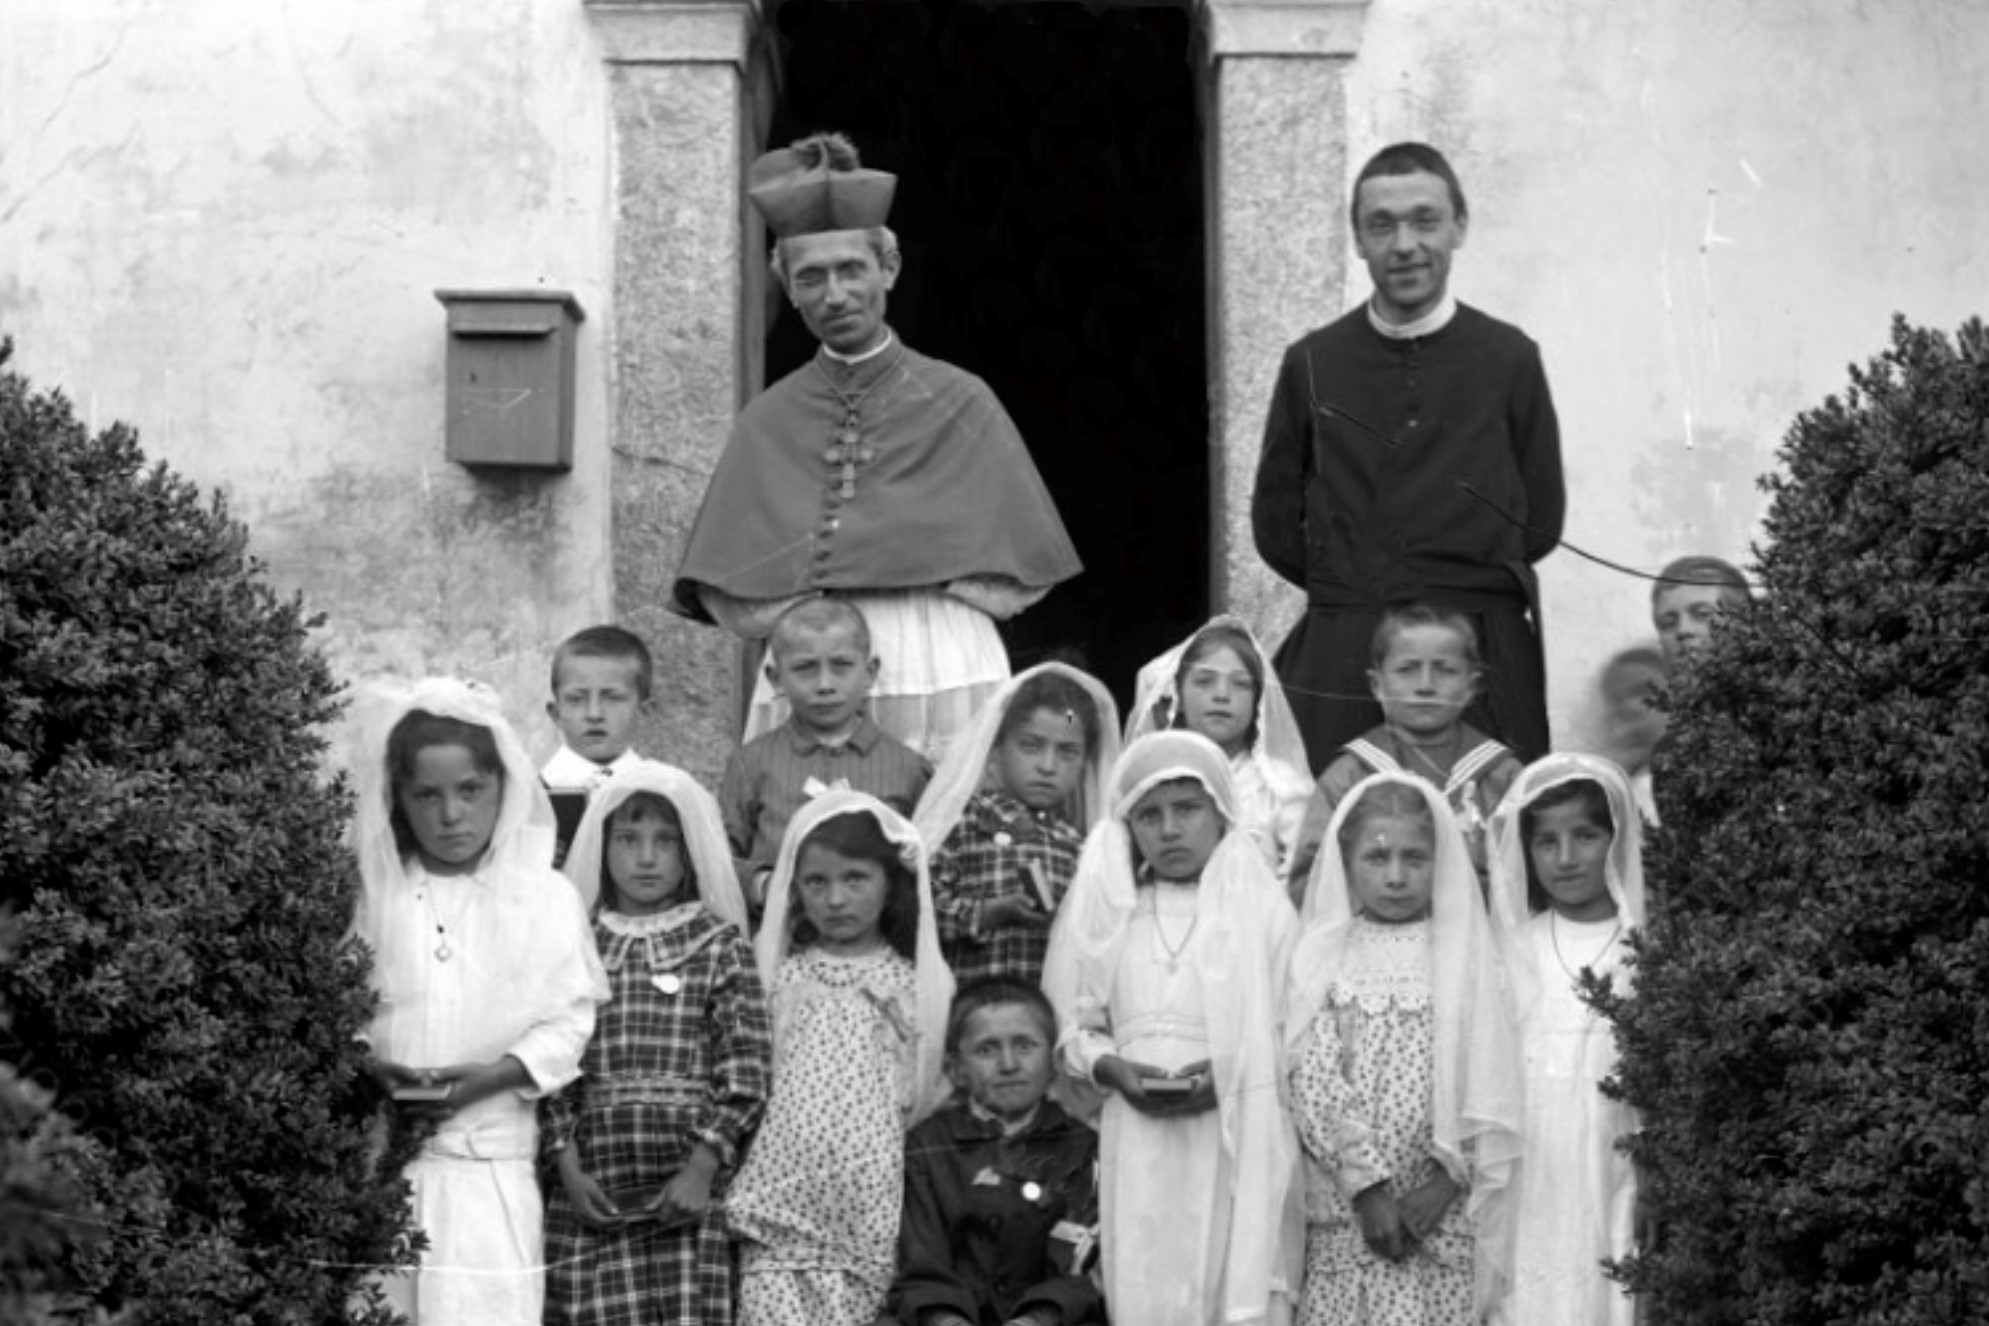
[(838, 285)]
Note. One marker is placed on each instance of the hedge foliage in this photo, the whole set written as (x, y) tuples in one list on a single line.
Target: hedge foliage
[(172, 854), (1809, 1040)]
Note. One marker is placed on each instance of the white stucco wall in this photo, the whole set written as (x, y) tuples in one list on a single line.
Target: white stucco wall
[(224, 222), (1703, 211)]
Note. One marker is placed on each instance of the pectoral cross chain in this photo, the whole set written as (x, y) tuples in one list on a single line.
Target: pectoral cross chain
[(849, 452)]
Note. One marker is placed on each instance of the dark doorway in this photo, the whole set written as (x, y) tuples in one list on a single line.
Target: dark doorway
[(1049, 207)]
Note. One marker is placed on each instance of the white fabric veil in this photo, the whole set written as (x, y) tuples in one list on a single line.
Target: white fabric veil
[(1625, 870), (705, 845), (964, 769), (1244, 920), (1278, 751), (1478, 1090), (521, 845), (934, 978), (524, 833)]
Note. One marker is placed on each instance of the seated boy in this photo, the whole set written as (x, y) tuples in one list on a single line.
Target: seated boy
[(1686, 604), (819, 659), (1003, 864), (1001, 1192), (600, 694)]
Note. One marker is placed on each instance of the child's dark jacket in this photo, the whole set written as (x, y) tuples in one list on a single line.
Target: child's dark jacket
[(972, 1240)]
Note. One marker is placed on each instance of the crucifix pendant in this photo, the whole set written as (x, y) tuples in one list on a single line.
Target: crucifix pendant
[(847, 453)]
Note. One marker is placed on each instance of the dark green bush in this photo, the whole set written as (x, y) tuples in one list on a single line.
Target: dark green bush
[(1809, 1040), (172, 850), (39, 1221)]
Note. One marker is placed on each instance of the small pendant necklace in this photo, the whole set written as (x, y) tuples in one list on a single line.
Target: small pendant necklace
[(845, 450), (1554, 933), (1173, 951), (442, 950)]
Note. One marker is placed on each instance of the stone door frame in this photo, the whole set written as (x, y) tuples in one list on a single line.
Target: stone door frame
[(691, 96)]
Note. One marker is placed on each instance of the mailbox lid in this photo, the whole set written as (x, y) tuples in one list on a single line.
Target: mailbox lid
[(509, 312)]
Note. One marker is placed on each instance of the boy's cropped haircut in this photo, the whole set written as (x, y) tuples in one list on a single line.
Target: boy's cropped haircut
[(607, 642), (820, 614), (994, 992), (1396, 620), (1702, 570), (1060, 695)]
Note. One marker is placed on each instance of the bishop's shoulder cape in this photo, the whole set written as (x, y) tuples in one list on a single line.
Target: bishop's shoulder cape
[(950, 491)]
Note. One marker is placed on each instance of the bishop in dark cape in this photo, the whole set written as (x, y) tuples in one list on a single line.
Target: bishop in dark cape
[(871, 472)]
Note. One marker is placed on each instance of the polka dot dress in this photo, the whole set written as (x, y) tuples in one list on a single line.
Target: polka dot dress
[(818, 1199), (1361, 1092)]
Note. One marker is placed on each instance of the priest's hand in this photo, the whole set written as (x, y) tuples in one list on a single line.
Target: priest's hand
[(1000, 597)]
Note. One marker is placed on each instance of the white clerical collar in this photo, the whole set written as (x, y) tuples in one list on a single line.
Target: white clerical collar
[(869, 354), (1433, 321)]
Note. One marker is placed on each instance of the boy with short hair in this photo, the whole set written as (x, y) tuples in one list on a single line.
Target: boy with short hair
[(819, 660), (1003, 859), (1001, 1193), (1426, 670), (601, 680), (1687, 600)]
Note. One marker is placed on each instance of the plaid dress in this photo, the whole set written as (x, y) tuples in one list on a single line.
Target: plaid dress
[(982, 860), (681, 1054)]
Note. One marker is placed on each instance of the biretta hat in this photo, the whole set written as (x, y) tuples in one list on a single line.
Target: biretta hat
[(799, 192)]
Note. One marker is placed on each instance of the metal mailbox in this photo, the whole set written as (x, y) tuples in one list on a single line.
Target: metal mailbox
[(510, 377)]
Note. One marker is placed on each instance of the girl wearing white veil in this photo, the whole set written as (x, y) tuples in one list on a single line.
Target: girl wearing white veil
[(1004, 818), (1217, 683), (1403, 1070), (677, 1074), (488, 981), (860, 994), (1165, 968), (1568, 837)]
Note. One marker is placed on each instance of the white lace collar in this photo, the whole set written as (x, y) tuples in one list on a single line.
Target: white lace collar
[(656, 923)]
